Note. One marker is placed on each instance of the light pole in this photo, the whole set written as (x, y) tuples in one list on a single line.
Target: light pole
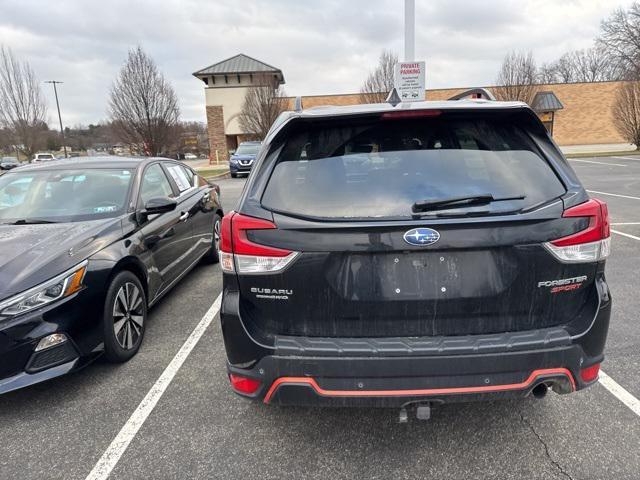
[(409, 30), (55, 91)]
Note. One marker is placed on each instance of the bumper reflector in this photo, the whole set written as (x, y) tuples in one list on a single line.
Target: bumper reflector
[(247, 386), (51, 341), (590, 374)]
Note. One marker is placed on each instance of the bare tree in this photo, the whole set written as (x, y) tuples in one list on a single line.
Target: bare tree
[(593, 65), (565, 68), (22, 107), (626, 112), (380, 81), (262, 105), (143, 105), (620, 37), (517, 78), (588, 65), (547, 74)]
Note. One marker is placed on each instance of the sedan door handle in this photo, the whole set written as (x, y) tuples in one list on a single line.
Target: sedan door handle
[(184, 216)]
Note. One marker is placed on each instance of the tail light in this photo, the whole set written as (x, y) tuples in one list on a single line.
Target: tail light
[(400, 114), (589, 245), (590, 374), (245, 385), (239, 254)]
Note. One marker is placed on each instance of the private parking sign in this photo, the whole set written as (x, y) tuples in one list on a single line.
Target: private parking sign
[(409, 81)]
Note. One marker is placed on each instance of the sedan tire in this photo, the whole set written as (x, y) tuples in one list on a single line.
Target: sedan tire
[(125, 315), (213, 255)]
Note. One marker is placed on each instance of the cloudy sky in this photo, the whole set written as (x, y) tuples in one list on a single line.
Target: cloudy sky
[(321, 46)]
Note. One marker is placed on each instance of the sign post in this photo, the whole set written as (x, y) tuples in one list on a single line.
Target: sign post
[(410, 81)]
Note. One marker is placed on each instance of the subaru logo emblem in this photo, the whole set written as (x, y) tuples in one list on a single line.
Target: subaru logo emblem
[(421, 237)]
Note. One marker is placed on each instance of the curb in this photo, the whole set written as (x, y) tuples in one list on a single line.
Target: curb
[(219, 176), (624, 153)]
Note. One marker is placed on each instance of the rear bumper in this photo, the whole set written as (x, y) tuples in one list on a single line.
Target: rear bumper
[(394, 372), (395, 381)]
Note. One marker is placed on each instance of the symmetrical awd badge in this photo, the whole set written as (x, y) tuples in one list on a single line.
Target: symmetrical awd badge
[(421, 236)]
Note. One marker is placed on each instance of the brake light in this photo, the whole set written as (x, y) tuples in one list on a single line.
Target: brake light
[(590, 374), (589, 245), (239, 253), (245, 385), (410, 114)]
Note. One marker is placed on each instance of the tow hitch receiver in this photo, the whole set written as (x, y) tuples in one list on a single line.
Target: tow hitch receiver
[(423, 412)]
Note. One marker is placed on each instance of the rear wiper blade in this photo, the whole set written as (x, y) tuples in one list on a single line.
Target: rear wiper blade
[(456, 202), (31, 221)]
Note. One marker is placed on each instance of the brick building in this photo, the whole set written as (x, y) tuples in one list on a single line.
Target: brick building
[(226, 84), (575, 113)]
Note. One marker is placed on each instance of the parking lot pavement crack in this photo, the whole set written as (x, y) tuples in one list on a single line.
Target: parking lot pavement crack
[(553, 462)]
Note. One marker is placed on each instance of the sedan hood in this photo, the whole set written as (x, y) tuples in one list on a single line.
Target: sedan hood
[(243, 157), (32, 254)]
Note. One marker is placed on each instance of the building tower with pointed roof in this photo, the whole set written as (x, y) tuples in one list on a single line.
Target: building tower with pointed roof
[(226, 84)]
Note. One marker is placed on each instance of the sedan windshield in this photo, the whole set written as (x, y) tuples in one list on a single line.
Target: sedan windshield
[(63, 195), (248, 149)]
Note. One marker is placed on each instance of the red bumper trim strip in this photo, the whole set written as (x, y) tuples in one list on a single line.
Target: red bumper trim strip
[(410, 393)]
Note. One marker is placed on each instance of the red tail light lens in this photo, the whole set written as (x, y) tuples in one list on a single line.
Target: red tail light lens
[(588, 245), (397, 115), (243, 246), (590, 374), (225, 233), (240, 254), (245, 385), (598, 228)]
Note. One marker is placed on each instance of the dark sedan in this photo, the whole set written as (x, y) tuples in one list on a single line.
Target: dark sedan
[(87, 246)]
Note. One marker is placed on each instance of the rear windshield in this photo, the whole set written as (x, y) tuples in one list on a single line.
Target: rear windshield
[(379, 170)]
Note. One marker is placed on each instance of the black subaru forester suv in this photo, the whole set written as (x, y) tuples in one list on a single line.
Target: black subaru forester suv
[(431, 252)]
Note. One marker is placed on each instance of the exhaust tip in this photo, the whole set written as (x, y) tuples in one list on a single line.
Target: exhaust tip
[(540, 391)]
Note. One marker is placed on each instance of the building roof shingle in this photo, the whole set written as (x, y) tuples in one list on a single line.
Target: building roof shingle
[(546, 102), (240, 63)]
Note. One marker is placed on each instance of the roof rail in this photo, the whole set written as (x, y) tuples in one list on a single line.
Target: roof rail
[(474, 93)]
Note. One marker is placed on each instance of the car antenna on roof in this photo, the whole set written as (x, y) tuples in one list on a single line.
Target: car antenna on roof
[(393, 98), (297, 104)]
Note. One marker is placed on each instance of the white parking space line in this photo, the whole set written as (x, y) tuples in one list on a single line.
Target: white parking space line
[(635, 159), (620, 393), (625, 234), (625, 223), (613, 194), (119, 445), (598, 163)]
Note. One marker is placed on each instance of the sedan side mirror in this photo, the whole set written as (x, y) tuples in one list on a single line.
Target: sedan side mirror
[(155, 206), (160, 205)]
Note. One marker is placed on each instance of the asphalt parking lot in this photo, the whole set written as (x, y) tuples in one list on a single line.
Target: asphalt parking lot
[(199, 429)]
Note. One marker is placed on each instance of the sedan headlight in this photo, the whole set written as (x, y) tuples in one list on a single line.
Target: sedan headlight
[(63, 285)]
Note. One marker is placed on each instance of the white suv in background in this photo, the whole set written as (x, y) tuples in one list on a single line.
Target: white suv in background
[(43, 157)]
